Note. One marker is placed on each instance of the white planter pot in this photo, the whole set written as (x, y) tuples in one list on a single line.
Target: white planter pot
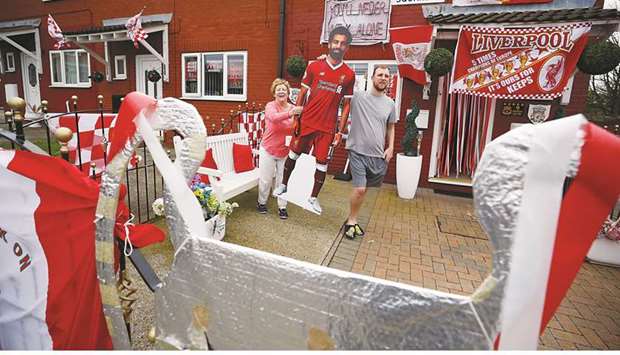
[(407, 175), (216, 227)]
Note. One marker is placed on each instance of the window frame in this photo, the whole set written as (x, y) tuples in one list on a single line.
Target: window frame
[(116, 67), (10, 65), (199, 95), (63, 81), (184, 93)]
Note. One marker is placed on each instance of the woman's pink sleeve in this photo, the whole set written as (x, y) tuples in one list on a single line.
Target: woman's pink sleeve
[(272, 114)]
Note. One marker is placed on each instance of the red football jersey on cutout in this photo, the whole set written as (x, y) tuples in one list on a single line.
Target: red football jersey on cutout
[(327, 86)]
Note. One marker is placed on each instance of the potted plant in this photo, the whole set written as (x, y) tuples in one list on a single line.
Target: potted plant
[(409, 163), (214, 211), (296, 66)]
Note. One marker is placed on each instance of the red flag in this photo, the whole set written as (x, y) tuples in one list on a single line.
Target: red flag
[(134, 29), (411, 45), (47, 256), (50, 293)]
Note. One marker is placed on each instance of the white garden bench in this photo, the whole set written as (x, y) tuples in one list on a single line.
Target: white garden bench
[(226, 183)]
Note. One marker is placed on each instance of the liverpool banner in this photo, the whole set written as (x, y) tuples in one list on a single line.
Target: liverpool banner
[(525, 63)]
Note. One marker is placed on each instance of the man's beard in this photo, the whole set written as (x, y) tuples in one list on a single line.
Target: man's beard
[(379, 89), (336, 54)]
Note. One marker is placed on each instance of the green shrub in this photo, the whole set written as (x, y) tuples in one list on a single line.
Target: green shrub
[(599, 58), (410, 139), (296, 66), (438, 62)]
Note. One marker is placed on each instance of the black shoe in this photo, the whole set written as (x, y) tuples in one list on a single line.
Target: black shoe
[(349, 231), (262, 209), (282, 213), (359, 232)]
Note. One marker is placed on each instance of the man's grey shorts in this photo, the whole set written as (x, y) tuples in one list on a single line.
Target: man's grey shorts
[(366, 171)]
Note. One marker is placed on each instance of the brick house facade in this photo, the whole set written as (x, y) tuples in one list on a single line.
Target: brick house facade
[(194, 30)]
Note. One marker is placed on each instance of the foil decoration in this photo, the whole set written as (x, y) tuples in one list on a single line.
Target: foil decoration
[(185, 119), (169, 114), (250, 299)]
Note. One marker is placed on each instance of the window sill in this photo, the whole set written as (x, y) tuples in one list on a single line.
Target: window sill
[(235, 99), (88, 86), (120, 78)]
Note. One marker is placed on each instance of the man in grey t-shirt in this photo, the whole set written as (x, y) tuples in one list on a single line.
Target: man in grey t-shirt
[(372, 118)]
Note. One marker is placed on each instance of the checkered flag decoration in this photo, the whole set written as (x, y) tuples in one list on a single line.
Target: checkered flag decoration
[(254, 124), (134, 29), (55, 32), (94, 132)]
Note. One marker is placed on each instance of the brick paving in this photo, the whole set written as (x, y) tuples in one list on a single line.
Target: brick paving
[(403, 243)]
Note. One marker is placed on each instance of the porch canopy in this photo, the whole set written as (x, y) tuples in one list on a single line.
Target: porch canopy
[(10, 29), (448, 19), (114, 30)]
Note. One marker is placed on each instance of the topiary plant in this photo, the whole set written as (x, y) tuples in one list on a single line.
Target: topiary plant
[(438, 62), (296, 66), (599, 58), (410, 140)]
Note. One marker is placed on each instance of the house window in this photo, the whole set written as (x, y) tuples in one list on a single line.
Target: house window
[(10, 62), (70, 68), (215, 76), (120, 67), (190, 75)]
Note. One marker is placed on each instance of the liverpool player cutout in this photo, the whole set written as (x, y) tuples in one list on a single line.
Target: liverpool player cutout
[(329, 81)]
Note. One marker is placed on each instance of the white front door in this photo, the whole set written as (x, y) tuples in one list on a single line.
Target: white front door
[(30, 79), (145, 64)]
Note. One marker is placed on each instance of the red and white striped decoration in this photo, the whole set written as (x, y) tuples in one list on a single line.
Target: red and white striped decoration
[(464, 127)]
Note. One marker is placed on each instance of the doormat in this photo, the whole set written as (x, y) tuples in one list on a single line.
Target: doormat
[(459, 226)]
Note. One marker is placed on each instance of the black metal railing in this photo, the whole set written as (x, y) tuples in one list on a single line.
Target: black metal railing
[(143, 181)]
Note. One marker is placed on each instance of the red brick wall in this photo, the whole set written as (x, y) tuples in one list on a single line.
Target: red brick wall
[(502, 123), (251, 25)]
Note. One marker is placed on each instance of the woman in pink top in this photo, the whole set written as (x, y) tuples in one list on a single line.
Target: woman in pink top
[(273, 150)]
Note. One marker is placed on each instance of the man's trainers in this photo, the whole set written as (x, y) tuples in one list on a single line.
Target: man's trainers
[(314, 203), (353, 230), (282, 213), (262, 209), (349, 231), (279, 190), (359, 232)]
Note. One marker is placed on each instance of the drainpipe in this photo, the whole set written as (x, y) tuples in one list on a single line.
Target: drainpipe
[(281, 39)]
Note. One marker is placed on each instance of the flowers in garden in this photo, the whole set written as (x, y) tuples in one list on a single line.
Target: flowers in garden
[(158, 207), (209, 203)]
